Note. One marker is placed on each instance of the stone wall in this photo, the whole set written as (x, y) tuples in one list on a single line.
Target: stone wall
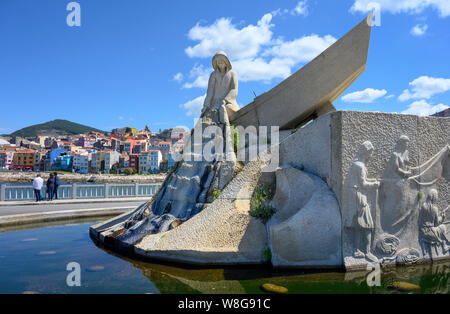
[(385, 191)]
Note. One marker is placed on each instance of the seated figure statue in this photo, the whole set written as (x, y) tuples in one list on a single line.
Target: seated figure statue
[(222, 89)]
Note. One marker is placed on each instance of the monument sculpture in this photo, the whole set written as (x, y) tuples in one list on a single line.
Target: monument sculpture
[(352, 188), (191, 185)]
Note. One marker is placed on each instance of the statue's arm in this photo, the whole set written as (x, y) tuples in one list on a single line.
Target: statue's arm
[(366, 182), (403, 173), (232, 94), (210, 92)]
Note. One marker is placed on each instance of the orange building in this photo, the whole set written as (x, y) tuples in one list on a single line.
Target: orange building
[(24, 159)]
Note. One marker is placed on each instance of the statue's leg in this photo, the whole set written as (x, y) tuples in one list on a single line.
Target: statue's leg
[(357, 235), (368, 241), (368, 238), (229, 147)]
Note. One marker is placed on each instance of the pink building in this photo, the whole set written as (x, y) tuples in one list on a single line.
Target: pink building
[(6, 159)]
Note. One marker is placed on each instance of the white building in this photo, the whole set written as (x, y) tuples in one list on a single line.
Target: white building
[(81, 163), (111, 157), (149, 161), (97, 158)]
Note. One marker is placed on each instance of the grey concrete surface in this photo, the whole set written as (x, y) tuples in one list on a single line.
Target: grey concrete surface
[(54, 207)]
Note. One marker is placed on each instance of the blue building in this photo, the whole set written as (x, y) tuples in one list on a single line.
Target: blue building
[(51, 156), (62, 163)]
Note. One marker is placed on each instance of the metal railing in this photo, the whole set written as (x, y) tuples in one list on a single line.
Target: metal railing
[(11, 192)]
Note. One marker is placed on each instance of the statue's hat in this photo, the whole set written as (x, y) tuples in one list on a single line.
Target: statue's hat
[(223, 55)]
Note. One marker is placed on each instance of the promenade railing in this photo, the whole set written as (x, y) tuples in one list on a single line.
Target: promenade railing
[(12, 192)]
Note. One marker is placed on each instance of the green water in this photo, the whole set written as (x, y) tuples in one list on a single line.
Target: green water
[(35, 260)]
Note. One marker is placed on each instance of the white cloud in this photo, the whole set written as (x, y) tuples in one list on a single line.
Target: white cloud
[(178, 77), (419, 30), (367, 96), (261, 58), (194, 107), (425, 87), (302, 49), (422, 108), (404, 6), (200, 74), (120, 118), (300, 9), (406, 95), (254, 52), (390, 96), (223, 35)]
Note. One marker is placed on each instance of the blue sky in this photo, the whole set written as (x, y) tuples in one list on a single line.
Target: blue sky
[(147, 62)]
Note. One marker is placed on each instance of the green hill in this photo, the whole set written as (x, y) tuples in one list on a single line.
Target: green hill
[(54, 128)]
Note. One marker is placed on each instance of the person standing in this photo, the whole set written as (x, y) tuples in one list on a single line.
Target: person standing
[(38, 182), (56, 185), (51, 186)]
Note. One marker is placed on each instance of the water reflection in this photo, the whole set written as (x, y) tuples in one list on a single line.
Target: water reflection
[(106, 272), (432, 279)]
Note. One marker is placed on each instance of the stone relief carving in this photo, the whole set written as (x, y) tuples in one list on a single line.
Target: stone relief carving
[(433, 227), (395, 189), (387, 245), (390, 211), (361, 220), (401, 183)]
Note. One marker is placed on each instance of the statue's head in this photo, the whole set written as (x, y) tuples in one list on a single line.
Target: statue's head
[(432, 196), (402, 143), (365, 151), (220, 62)]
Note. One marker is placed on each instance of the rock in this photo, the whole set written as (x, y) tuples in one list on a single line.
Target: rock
[(175, 224), (274, 288), (403, 286)]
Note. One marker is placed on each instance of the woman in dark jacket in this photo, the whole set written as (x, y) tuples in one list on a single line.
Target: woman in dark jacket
[(55, 194), (51, 186)]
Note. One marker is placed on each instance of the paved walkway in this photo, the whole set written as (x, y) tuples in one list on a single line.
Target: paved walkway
[(27, 213), (44, 207), (74, 201)]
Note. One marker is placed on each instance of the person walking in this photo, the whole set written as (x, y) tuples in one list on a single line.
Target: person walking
[(51, 186), (56, 185), (38, 182)]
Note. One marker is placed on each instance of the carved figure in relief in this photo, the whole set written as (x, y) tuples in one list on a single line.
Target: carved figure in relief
[(433, 228), (361, 220), (395, 189)]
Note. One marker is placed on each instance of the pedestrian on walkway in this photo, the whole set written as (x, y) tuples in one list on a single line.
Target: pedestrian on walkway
[(50, 186), (38, 182), (56, 185)]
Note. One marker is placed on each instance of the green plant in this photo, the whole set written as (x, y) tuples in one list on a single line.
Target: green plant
[(419, 195), (267, 254), (259, 204), (216, 194), (235, 135), (129, 171)]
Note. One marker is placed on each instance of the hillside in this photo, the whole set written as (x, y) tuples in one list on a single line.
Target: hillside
[(54, 128)]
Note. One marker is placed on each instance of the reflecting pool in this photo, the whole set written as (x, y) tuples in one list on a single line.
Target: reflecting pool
[(34, 260)]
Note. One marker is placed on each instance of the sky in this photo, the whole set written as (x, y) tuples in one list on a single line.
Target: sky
[(140, 62)]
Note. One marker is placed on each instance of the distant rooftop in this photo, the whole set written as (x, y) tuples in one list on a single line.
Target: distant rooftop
[(445, 113)]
